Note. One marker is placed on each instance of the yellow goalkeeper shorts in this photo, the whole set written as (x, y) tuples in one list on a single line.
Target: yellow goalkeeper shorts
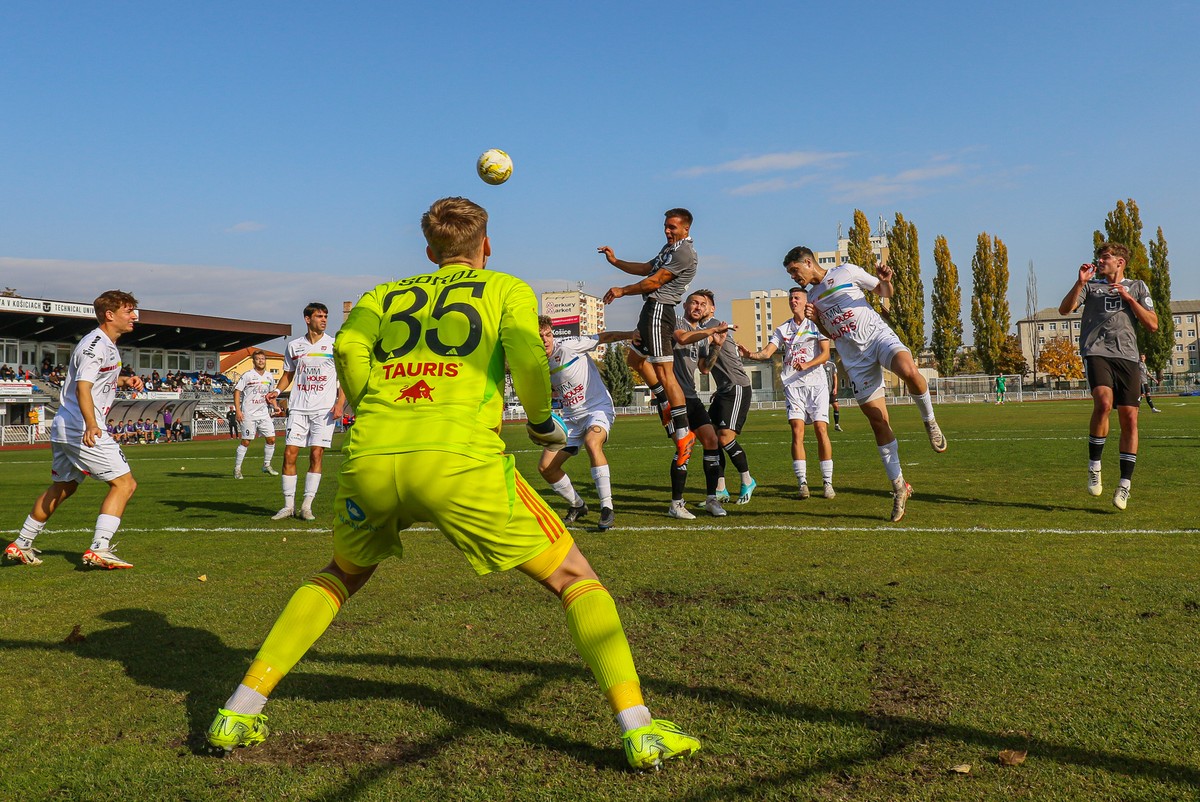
[(482, 505)]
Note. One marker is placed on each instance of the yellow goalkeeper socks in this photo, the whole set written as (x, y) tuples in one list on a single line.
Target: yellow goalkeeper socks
[(308, 614), (596, 631)]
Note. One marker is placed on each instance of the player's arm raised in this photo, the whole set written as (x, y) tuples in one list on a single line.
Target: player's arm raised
[(758, 356), (1074, 296), (354, 346), (632, 268), (607, 337), (648, 284)]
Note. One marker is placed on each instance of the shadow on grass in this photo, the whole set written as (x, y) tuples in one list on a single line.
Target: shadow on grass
[(198, 665), (223, 507)]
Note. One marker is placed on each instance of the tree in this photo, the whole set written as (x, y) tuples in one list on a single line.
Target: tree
[(908, 291), (1031, 309), (947, 309), (989, 299), (8, 292), (1012, 360), (1158, 346), (1060, 359), (1124, 225), (966, 362), (858, 250), (616, 375)]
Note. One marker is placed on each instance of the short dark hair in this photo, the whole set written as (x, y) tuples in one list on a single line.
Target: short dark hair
[(1117, 249), (315, 306), (111, 301), (256, 353), (712, 299), (797, 254), (544, 322), (795, 290), (681, 213)]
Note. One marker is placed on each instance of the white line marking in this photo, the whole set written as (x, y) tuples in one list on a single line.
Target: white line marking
[(321, 528)]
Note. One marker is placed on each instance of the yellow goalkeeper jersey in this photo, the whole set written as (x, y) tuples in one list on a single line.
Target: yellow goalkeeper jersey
[(422, 362)]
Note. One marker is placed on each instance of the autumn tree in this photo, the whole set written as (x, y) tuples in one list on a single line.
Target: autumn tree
[(1060, 358), (616, 375), (1012, 359), (858, 250), (1158, 346), (908, 291), (947, 309), (989, 299)]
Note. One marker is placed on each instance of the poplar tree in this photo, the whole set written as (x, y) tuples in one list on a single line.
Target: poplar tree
[(1158, 346), (908, 291), (1124, 225), (858, 250), (947, 309), (616, 375), (989, 300)]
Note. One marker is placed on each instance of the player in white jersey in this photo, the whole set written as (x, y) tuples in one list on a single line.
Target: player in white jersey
[(314, 408), (866, 345), (80, 445), (587, 409), (254, 399), (805, 387)]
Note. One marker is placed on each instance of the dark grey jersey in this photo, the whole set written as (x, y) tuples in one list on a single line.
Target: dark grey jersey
[(680, 259), (1107, 328), (687, 360), (728, 370)]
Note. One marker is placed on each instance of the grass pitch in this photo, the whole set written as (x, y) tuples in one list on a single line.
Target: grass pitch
[(819, 651)]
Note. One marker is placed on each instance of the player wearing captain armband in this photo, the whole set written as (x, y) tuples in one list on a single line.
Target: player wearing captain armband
[(422, 364)]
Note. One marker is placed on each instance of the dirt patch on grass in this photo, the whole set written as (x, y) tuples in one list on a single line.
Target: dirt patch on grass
[(900, 694), (293, 749)]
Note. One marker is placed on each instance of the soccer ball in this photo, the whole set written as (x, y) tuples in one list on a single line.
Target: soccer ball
[(495, 166)]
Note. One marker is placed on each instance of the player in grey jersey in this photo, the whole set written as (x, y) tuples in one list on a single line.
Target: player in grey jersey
[(666, 279), (729, 404), (1113, 306)]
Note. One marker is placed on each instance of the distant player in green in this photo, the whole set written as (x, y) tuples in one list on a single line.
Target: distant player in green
[(422, 362), (1000, 389)]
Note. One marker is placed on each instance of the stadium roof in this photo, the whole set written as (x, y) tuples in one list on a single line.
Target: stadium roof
[(42, 320)]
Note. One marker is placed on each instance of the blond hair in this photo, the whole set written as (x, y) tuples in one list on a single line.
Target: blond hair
[(454, 228)]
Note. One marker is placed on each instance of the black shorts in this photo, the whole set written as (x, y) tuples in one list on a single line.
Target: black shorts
[(729, 408), (697, 414), (656, 332), (1123, 376)]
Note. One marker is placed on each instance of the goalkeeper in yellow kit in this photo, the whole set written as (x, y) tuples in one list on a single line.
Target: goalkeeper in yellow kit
[(422, 363)]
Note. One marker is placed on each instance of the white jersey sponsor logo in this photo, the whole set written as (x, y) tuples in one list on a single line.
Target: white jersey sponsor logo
[(844, 309), (96, 360), (315, 376), (800, 343), (575, 379), (254, 387)]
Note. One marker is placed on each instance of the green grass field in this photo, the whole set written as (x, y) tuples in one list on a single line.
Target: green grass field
[(819, 651)]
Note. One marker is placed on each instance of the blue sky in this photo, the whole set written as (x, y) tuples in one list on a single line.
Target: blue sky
[(243, 158)]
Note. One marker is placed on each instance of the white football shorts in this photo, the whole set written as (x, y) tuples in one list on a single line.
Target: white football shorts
[(310, 429), (257, 427), (74, 462), (807, 402), (865, 367), (577, 430)]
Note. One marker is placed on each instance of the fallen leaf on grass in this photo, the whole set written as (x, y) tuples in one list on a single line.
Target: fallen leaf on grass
[(1012, 757), (76, 635), (203, 577), (961, 768)]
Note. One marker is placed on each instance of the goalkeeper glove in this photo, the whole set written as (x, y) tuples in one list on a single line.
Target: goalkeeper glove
[(548, 434)]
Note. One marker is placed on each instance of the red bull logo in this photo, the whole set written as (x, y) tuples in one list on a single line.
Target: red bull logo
[(416, 392)]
